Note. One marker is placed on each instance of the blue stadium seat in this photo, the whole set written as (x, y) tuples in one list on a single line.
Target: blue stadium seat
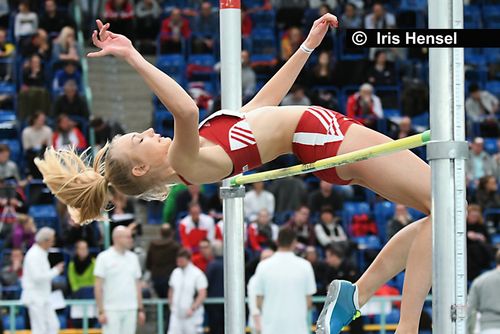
[(263, 43), (421, 120), (265, 19), (353, 208), (174, 65), (491, 15), (419, 5), (493, 87), (19, 324), (472, 15), (495, 239), (253, 3), (45, 215), (368, 242), (490, 145), (492, 55), (383, 212), (415, 214), (475, 59), (163, 122), (389, 113)]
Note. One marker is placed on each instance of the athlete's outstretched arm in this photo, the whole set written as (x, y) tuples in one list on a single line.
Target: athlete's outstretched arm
[(278, 86)]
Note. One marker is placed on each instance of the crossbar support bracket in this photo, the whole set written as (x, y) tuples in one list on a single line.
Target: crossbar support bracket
[(447, 150)]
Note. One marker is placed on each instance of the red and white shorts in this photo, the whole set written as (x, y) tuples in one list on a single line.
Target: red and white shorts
[(318, 135)]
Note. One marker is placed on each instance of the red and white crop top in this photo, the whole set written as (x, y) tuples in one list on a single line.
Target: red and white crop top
[(231, 131)]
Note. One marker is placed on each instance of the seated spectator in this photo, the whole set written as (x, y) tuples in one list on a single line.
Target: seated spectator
[(195, 227), (65, 48), (70, 102), (26, 22), (379, 18), (246, 22), (487, 193), (189, 195), (12, 272), (480, 162), (38, 44), (325, 196), (365, 106), (322, 72), (4, 14), (404, 129), (381, 72), (328, 229), (35, 138), (74, 232), (67, 134), (104, 131), (8, 168), (160, 259), (401, 219), (205, 29), (33, 73), (174, 29), (296, 97), (6, 51), (257, 199), (481, 107), (53, 20), (23, 232), (70, 71), (204, 256), (248, 76), (319, 268), (290, 42), (262, 233), (289, 193), (351, 18), (479, 252), (300, 224), (147, 13), (120, 14), (81, 267)]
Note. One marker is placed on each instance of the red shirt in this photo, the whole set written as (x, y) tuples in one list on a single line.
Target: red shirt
[(168, 29)]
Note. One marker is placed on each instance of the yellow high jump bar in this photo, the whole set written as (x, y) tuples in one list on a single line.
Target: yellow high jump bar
[(339, 160)]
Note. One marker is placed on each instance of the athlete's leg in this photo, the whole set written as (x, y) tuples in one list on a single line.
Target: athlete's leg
[(403, 178)]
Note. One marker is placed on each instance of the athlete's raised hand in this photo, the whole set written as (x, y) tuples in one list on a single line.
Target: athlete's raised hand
[(319, 29), (110, 43)]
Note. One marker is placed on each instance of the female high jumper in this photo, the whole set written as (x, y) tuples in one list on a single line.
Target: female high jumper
[(232, 141)]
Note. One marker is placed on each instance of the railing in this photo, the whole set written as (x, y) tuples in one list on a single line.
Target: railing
[(160, 315)]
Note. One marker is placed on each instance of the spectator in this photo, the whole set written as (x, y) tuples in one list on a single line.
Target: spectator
[(487, 193), (296, 97), (257, 199), (254, 316), (161, 259), (81, 267), (351, 18), (325, 196), (186, 294), (26, 22), (478, 243), (284, 285), (290, 42), (215, 278), (35, 138), (147, 13), (319, 268), (262, 233), (4, 14), (204, 256), (118, 289), (365, 106), (401, 219), (174, 30), (74, 232), (379, 18), (300, 224), (12, 272), (6, 52), (289, 193), (328, 230), (196, 227), (33, 73), (480, 163), (381, 72), (404, 129), (246, 22), (481, 107), (36, 283), (322, 72), (104, 131), (23, 232), (65, 48), (8, 168), (68, 135), (38, 44), (205, 29), (70, 71), (248, 76), (71, 103), (53, 20), (481, 300), (189, 195), (120, 14), (316, 4), (327, 42)]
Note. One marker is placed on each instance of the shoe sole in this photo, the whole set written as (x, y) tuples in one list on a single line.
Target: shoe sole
[(323, 327)]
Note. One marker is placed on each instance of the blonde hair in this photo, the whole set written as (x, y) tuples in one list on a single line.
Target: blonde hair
[(84, 188), (62, 39)]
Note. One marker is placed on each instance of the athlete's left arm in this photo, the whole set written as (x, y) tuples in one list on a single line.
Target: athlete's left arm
[(278, 86)]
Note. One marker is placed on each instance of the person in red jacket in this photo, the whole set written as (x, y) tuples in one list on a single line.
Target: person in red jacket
[(196, 227), (120, 13), (174, 29), (262, 233), (68, 135), (365, 106)]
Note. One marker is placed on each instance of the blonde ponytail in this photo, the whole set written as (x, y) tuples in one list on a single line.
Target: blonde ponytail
[(82, 188)]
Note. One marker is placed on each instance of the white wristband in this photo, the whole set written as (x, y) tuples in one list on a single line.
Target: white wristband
[(304, 48)]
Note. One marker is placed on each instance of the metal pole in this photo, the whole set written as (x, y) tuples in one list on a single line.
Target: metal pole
[(231, 95), (446, 154)]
